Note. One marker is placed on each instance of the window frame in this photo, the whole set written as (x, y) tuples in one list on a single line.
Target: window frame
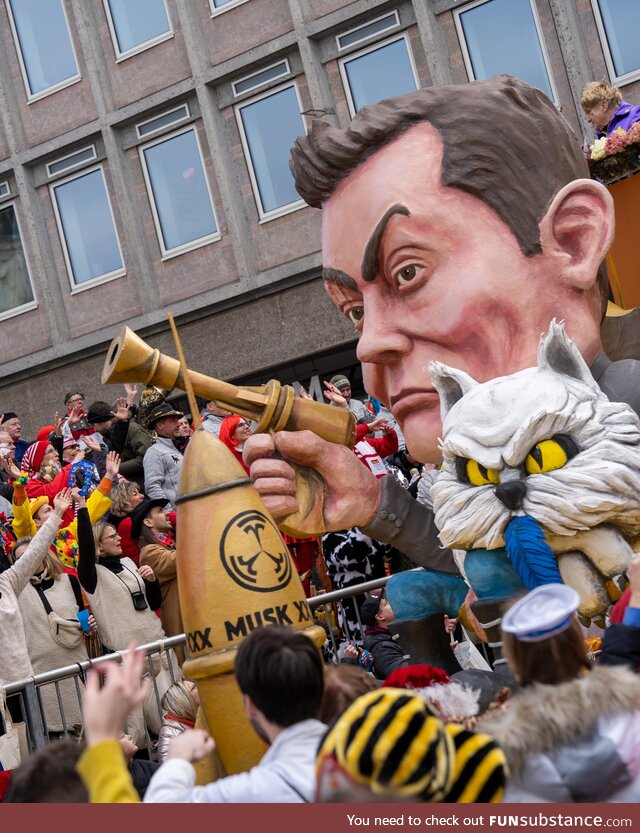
[(360, 53), (144, 137), (267, 216), (457, 13), (5, 189), (383, 33), (618, 80), (277, 78), (214, 11), (100, 279), (71, 167), (30, 305), (141, 47), (67, 82), (167, 254)]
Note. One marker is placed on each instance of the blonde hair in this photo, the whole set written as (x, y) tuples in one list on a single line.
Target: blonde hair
[(121, 495), (598, 91), (52, 565), (98, 534), (179, 700)]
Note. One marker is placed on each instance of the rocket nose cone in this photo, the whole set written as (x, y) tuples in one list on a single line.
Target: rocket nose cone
[(208, 462)]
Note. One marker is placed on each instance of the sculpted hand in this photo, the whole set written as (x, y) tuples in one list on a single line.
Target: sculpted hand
[(192, 745), (351, 495), (105, 711)]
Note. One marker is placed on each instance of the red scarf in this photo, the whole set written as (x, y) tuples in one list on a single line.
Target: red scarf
[(184, 720)]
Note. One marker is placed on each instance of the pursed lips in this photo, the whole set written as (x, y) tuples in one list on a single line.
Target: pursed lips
[(410, 399)]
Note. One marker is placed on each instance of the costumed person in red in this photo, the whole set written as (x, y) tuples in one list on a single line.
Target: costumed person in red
[(235, 430), (42, 463)]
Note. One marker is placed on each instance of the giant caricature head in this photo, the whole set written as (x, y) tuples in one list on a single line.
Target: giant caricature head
[(457, 222)]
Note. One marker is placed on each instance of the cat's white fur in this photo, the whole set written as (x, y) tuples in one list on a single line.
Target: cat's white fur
[(498, 422)]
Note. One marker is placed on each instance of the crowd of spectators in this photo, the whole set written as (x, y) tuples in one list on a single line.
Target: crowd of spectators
[(89, 567)]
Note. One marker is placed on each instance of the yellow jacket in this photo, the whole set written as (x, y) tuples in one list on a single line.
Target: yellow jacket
[(98, 503), (104, 773)]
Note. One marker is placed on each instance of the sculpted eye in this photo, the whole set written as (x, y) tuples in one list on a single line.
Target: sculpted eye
[(549, 455), (406, 275), (355, 314), (469, 471)]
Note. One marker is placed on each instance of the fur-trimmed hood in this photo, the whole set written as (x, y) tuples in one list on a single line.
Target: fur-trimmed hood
[(540, 718)]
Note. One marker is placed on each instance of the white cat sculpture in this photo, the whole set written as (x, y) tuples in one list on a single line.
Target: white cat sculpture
[(547, 444)]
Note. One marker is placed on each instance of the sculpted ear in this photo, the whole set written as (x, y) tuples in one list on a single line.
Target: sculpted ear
[(558, 352), (451, 385), (578, 228)]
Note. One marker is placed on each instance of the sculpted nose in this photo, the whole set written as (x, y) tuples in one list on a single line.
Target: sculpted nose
[(512, 493)]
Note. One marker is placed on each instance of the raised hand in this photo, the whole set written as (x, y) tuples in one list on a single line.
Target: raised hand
[(191, 745), (76, 415), (333, 395), (105, 710), (92, 445), (57, 424), (113, 465), (10, 467), (122, 409), (132, 392), (62, 502)]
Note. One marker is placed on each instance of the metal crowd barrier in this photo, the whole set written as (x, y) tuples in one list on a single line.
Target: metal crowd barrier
[(328, 610)]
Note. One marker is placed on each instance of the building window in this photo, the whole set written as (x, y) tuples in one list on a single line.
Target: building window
[(503, 37), (87, 229), (269, 125), (259, 79), (16, 291), (618, 23), (218, 6), (72, 160), (149, 126), (381, 71), (368, 30), (137, 26), (179, 193), (4, 189), (41, 33)]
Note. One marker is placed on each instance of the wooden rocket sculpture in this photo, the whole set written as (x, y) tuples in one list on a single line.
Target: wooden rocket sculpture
[(234, 569), (234, 575)]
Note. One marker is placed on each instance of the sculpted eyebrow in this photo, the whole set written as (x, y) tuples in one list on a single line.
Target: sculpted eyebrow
[(371, 259), (339, 278)]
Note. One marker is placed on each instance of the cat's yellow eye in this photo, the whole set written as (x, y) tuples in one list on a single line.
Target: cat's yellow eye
[(480, 476), (547, 455)]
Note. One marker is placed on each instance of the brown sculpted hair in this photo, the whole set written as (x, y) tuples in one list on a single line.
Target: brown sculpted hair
[(558, 659), (505, 144)]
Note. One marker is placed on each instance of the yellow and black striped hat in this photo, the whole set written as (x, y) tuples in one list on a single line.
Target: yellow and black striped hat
[(480, 768), (390, 741)]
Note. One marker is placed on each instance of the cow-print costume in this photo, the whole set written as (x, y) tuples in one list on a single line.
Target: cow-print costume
[(353, 558)]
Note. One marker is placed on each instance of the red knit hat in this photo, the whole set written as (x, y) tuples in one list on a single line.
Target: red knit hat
[(415, 676), (45, 431), (32, 459)]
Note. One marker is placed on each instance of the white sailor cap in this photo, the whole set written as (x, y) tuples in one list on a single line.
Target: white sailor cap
[(542, 613)]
